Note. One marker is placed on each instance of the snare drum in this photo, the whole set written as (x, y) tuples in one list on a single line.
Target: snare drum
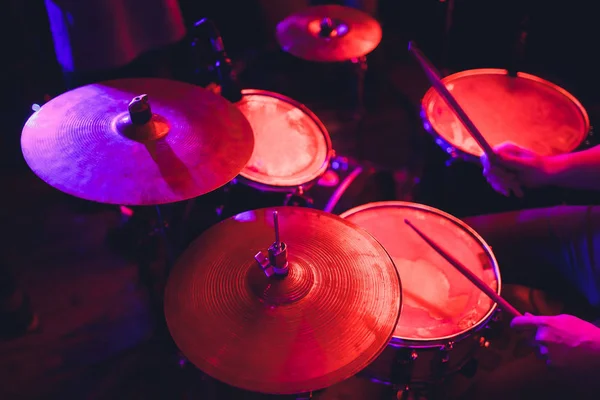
[(443, 313), (526, 110), (292, 148)]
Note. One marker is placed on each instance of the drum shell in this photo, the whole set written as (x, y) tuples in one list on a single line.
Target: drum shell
[(354, 182), (417, 363)]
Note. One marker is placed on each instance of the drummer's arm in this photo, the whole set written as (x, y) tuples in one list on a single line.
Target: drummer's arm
[(579, 170)]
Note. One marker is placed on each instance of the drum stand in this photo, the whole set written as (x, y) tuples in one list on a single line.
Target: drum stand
[(162, 243), (152, 279), (298, 198), (402, 383), (169, 246), (360, 67), (446, 36)]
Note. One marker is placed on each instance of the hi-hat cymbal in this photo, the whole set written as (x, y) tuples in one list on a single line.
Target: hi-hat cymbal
[(329, 33), (329, 318), (95, 142)]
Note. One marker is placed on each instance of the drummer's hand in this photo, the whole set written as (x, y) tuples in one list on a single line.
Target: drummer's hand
[(513, 169), (564, 341)]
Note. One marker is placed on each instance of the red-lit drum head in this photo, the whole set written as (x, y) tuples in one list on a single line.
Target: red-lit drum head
[(526, 110), (291, 145), (438, 301)]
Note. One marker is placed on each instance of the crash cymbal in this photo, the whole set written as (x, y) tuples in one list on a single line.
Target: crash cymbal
[(184, 141), (328, 318), (329, 33)]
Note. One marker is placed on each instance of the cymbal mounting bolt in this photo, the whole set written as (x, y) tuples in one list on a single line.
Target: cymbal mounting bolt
[(139, 109), (277, 261)]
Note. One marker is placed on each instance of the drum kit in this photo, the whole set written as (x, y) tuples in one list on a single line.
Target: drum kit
[(289, 300)]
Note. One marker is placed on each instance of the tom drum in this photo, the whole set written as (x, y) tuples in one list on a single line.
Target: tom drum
[(526, 110), (292, 148), (442, 310)]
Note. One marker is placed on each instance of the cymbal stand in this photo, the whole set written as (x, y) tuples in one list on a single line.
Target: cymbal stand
[(360, 67), (275, 265), (146, 259), (518, 55), (446, 37), (162, 227), (298, 198), (156, 256)]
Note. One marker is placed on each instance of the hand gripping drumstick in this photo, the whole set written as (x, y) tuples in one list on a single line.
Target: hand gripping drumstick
[(505, 305), (434, 77)]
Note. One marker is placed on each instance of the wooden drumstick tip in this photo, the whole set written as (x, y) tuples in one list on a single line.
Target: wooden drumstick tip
[(411, 45)]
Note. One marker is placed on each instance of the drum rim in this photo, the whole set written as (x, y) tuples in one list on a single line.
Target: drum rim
[(452, 149), (485, 319), (246, 179)]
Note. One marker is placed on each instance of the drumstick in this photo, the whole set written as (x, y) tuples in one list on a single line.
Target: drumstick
[(505, 305), (434, 77)]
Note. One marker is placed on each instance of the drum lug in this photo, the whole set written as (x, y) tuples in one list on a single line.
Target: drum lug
[(441, 369), (491, 330), (407, 357), (589, 141), (445, 350), (483, 342), (493, 333)]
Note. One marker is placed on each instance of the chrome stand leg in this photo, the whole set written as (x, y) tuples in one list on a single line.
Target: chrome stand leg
[(299, 198), (361, 67), (162, 229), (446, 37)]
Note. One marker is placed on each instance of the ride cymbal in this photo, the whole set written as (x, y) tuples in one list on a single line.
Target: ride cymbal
[(249, 325), (329, 33), (137, 142)]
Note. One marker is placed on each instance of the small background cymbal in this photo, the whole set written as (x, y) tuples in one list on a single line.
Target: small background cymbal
[(329, 33)]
